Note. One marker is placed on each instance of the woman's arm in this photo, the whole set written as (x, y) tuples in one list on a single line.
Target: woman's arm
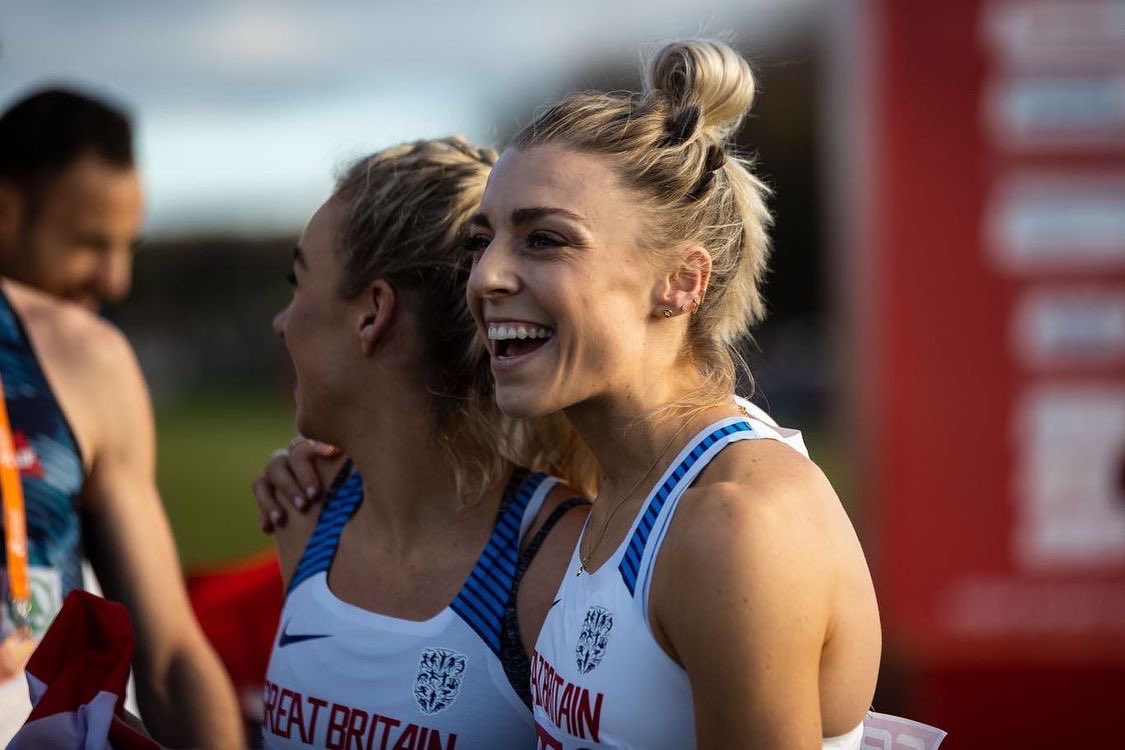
[(742, 596)]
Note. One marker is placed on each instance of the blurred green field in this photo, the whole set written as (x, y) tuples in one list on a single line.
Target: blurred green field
[(209, 448)]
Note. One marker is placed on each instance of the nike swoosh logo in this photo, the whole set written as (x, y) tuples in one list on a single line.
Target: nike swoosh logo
[(287, 640), (556, 601)]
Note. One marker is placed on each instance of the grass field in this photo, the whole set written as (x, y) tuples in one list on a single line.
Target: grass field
[(209, 448), (212, 446)]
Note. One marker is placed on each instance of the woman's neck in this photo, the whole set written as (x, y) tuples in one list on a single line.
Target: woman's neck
[(632, 436), (409, 482)]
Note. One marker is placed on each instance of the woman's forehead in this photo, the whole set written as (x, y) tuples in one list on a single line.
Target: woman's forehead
[(552, 176)]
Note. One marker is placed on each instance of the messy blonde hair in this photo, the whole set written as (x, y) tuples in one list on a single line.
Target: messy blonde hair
[(405, 220), (670, 146)]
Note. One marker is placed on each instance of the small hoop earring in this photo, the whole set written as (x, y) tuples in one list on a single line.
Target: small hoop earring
[(667, 313)]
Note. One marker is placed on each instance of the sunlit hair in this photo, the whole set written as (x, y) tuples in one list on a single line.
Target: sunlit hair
[(669, 146), (405, 220)]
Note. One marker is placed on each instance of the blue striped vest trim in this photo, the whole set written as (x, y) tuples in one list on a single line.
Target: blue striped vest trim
[(631, 561), (339, 507), (482, 599)]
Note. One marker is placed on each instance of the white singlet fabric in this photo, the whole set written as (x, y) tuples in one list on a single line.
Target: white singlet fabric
[(598, 676), (341, 676)]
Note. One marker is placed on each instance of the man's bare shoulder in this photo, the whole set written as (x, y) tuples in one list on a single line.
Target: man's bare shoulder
[(67, 335), (91, 367)]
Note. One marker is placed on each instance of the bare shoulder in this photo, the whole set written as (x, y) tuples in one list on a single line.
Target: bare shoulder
[(764, 506), (67, 334), (757, 488), (89, 364), (762, 565)]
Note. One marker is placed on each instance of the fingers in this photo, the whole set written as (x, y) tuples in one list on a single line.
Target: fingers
[(301, 465), (270, 513), (324, 449), (285, 484), (290, 478)]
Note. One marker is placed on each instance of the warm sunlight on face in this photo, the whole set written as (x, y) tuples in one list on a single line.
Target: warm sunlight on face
[(560, 284), (315, 326)]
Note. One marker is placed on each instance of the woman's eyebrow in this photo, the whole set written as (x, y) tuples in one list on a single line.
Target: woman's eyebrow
[(526, 215)]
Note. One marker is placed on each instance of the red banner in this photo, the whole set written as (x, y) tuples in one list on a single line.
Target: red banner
[(992, 329)]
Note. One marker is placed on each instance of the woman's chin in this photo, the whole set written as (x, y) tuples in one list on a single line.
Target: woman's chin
[(305, 426), (519, 404)]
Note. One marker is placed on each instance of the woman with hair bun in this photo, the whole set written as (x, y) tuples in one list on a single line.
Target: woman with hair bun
[(718, 595)]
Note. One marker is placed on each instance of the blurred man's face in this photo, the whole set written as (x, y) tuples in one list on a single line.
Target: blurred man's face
[(78, 244)]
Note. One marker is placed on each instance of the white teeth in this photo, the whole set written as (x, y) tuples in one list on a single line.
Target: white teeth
[(501, 332)]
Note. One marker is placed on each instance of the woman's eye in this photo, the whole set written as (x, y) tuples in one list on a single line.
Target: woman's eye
[(543, 241), (477, 243)]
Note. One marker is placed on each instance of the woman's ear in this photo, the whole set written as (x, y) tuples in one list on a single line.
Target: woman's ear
[(683, 289), (376, 311)]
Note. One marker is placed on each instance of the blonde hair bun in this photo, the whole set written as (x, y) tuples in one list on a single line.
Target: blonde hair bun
[(669, 146), (708, 75)]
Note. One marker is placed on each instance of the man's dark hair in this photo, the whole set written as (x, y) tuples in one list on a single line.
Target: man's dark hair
[(45, 132)]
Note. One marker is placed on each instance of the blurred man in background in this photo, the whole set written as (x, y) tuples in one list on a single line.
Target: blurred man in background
[(80, 418)]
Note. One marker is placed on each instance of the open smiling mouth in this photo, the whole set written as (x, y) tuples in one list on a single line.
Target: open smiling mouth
[(510, 340)]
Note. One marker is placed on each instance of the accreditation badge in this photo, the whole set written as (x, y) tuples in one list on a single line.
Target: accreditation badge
[(46, 601)]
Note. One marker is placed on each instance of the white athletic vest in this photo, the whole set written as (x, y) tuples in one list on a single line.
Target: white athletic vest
[(598, 677), (343, 677)]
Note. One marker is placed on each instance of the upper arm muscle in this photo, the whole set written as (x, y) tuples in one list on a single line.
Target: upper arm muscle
[(743, 602)]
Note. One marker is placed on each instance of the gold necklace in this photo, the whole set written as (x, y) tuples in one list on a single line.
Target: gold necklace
[(584, 560)]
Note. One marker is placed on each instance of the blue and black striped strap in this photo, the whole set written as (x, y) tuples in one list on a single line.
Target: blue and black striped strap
[(340, 505), (482, 600)]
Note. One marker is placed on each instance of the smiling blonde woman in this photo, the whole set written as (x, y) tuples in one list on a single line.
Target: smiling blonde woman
[(718, 596)]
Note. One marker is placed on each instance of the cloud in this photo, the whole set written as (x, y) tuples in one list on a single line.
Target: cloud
[(244, 102)]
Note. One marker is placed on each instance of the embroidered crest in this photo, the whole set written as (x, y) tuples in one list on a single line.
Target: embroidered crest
[(440, 672), (593, 638)]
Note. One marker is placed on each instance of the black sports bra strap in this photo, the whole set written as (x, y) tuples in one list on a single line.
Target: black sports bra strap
[(541, 535), (514, 659)]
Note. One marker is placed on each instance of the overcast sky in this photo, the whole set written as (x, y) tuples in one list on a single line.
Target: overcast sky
[(244, 107)]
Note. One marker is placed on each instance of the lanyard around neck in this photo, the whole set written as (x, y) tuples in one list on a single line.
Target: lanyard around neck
[(15, 521)]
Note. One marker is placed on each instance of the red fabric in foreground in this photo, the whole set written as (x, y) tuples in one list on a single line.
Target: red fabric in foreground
[(238, 608), (86, 651)]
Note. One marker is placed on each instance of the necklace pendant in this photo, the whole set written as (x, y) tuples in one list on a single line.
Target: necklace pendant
[(581, 569)]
